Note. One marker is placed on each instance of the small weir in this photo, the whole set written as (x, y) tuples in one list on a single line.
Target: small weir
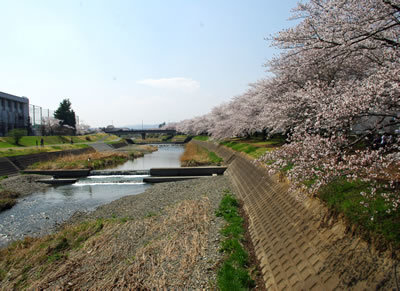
[(41, 212), (118, 173)]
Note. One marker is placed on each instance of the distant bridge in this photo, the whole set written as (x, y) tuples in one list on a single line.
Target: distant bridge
[(142, 132)]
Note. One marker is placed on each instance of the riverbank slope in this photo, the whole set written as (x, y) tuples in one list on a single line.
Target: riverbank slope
[(167, 236), (299, 242)]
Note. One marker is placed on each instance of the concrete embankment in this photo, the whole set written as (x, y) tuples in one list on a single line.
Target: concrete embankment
[(13, 165), (187, 171), (60, 173), (298, 246)]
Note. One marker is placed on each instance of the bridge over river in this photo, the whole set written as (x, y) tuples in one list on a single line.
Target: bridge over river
[(142, 132)]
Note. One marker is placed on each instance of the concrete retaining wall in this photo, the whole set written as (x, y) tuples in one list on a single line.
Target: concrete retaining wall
[(22, 162), (287, 240), (119, 145), (7, 168), (61, 173), (187, 171)]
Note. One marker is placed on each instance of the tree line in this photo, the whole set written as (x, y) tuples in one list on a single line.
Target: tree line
[(335, 94)]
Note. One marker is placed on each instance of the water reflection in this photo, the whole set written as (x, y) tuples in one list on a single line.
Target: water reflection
[(40, 212), (166, 156)]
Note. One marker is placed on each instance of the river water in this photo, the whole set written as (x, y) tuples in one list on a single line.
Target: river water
[(41, 212)]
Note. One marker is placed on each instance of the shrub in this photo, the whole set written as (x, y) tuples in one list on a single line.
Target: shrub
[(17, 134)]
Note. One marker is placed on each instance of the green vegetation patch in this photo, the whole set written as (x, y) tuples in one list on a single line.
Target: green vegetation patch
[(234, 273), (7, 199), (196, 155), (216, 160), (27, 141), (7, 203), (201, 137), (179, 138), (372, 212), (250, 149), (19, 151)]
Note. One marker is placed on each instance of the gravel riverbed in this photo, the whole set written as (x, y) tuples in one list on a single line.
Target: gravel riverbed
[(167, 237), (181, 247), (159, 196), (24, 185)]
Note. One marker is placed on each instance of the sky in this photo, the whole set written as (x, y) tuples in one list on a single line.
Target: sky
[(122, 62)]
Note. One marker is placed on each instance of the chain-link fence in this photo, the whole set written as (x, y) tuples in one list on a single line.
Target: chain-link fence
[(39, 117)]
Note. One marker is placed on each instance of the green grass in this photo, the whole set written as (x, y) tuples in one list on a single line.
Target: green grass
[(18, 151), (254, 146), (5, 142), (255, 151), (216, 160), (201, 137), (290, 166), (344, 197), (26, 141), (233, 274)]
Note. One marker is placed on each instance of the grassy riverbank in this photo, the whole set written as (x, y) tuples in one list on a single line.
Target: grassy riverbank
[(10, 152), (195, 155), (373, 215), (162, 139), (168, 249), (167, 237), (254, 147), (7, 198), (95, 161), (28, 145), (27, 141), (234, 271), (12, 188)]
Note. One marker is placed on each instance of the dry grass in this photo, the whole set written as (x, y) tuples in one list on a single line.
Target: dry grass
[(169, 258), (151, 253), (195, 155), (96, 160)]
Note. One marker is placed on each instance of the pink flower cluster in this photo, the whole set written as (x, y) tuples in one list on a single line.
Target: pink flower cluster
[(336, 84)]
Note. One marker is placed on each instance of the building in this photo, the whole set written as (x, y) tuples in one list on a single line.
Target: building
[(14, 113)]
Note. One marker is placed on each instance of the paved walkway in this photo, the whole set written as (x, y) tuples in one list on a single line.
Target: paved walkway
[(101, 147)]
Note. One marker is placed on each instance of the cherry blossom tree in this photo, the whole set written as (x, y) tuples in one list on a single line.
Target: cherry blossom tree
[(335, 86)]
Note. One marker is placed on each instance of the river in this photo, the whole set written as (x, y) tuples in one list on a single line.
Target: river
[(41, 212)]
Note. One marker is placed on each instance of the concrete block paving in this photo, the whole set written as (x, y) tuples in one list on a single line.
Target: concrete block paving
[(286, 239)]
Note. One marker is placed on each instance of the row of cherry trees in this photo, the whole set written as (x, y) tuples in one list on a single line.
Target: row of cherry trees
[(335, 84)]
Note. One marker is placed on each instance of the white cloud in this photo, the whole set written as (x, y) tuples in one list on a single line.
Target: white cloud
[(178, 83)]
